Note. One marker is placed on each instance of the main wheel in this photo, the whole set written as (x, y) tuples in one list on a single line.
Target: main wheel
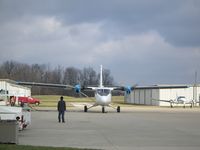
[(103, 109), (85, 108), (118, 109), (171, 104)]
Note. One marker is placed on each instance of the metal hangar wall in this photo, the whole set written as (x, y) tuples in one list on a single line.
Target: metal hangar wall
[(10, 88), (146, 94)]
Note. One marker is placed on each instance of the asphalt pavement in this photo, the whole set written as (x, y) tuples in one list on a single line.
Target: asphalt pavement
[(134, 128)]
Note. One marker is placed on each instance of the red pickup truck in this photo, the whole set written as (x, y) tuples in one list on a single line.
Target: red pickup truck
[(29, 100)]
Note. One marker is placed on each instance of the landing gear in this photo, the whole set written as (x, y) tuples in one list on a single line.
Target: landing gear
[(85, 108), (103, 109), (118, 109), (171, 104), (191, 105), (183, 105)]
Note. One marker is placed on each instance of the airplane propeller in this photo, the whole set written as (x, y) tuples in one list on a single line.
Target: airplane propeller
[(127, 89), (77, 88)]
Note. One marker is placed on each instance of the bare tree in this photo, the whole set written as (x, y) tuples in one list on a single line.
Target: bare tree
[(107, 78), (72, 76), (43, 73), (89, 77), (7, 69)]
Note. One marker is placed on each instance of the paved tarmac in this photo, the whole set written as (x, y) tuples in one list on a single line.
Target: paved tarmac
[(137, 128)]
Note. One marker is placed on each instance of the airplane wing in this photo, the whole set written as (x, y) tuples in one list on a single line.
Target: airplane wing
[(168, 101), (77, 88), (192, 101), (44, 84)]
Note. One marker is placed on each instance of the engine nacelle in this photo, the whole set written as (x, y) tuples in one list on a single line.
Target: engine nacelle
[(128, 90), (77, 88)]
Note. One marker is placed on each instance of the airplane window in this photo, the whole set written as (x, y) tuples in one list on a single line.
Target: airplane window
[(181, 96), (106, 91), (103, 92)]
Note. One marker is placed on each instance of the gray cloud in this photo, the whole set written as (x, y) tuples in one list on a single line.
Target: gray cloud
[(147, 42)]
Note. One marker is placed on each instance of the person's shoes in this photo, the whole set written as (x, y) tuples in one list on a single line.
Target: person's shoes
[(63, 122)]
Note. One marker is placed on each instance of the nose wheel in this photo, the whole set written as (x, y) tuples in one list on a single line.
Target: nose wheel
[(103, 109)]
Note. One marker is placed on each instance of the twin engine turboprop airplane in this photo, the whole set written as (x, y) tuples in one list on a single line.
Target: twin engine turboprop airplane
[(103, 94), (179, 100)]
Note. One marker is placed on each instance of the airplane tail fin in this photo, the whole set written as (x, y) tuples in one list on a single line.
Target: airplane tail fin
[(101, 77)]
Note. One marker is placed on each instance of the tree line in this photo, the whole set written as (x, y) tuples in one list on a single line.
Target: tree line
[(45, 74)]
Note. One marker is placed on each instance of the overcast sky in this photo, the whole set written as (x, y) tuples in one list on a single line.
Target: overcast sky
[(144, 41)]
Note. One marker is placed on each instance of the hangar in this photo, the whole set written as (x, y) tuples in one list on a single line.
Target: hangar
[(146, 94), (10, 88)]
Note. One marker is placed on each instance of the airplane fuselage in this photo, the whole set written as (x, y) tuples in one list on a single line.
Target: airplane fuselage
[(103, 96), (181, 100)]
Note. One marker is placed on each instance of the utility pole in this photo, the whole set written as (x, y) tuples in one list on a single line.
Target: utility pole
[(195, 81), (195, 88)]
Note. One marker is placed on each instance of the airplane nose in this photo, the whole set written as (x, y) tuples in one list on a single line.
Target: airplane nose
[(104, 99)]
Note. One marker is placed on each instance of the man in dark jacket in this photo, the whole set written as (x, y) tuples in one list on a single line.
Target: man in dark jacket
[(61, 107)]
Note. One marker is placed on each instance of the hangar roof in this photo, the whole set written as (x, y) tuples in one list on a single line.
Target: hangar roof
[(162, 86), (8, 80), (13, 83)]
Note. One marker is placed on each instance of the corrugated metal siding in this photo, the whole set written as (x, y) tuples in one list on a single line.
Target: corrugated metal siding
[(144, 96), (148, 97), (155, 95), (14, 89)]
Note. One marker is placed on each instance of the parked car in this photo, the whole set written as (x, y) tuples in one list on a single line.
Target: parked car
[(29, 100)]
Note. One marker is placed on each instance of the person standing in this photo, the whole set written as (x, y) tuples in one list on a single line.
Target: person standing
[(61, 107)]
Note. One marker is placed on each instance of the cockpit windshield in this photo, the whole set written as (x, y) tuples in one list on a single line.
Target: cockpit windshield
[(181, 97), (103, 92)]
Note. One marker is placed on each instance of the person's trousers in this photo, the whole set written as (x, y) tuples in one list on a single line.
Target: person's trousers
[(61, 114)]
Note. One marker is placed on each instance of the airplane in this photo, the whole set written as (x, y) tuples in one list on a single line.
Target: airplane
[(178, 100), (103, 96)]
